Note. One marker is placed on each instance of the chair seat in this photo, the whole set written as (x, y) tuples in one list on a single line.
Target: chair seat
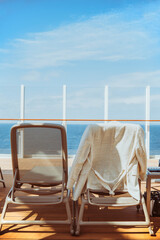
[(47, 174), (37, 199), (41, 190), (114, 201)]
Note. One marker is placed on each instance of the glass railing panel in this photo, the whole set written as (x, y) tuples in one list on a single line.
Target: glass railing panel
[(127, 103), (85, 103), (155, 140), (9, 109), (154, 103), (9, 102), (155, 125), (43, 102)]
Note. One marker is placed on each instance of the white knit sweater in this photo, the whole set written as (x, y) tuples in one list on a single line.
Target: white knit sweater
[(110, 157)]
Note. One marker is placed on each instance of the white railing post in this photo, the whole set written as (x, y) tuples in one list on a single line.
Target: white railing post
[(106, 103), (64, 106), (22, 108), (147, 125)]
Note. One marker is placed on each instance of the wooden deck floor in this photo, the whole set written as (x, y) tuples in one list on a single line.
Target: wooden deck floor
[(63, 232)]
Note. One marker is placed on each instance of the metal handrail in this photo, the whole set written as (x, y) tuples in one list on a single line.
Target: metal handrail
[(80, 120)]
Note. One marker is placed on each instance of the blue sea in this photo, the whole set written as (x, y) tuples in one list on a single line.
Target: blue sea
[(74, 133)]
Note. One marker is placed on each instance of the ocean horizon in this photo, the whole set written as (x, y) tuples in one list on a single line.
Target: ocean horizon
[(74, 134)]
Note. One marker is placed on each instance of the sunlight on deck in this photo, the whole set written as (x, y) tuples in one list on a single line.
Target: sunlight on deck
[(62, 231)]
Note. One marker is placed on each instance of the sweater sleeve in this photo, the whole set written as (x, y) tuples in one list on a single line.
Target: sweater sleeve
[(80, 158), (141, 153)]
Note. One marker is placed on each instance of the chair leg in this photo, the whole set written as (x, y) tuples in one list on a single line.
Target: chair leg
[(79, 219), (4, 212), (138, 207), (68, 210), (75, 215), (147, 218), (145, 211), (69, 216), (73, 224)]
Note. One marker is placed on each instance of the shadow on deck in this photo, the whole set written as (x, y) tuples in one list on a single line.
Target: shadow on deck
[(62, 231)]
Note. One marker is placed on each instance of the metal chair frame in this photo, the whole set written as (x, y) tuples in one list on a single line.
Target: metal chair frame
[(86, 199)]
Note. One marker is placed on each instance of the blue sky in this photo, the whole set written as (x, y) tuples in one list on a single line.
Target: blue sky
[(85, 44)]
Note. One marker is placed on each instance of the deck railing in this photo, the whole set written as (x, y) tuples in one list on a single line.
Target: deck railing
[(65, 120)]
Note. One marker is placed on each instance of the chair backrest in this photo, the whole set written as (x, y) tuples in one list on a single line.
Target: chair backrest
[(117, 151), (41, 150)]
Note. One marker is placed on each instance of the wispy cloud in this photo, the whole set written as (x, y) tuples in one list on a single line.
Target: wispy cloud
[(138, 79), (35, 76), (85, 103), (107, 37), (135, 99), (129, 100), (2, 50), (47, 106), (155, 98), (31, 76)]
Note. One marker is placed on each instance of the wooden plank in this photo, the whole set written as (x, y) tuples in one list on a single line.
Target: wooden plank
[(10, 232)]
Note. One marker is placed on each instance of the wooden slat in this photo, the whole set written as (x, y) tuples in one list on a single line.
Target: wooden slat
[(11, 232)]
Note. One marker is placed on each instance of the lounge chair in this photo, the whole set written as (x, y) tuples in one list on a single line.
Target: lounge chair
[(40, 170), (107, 170)]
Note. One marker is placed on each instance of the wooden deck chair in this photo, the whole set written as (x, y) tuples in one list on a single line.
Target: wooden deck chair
[(40, 170), (106, 173), (2, 179)]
